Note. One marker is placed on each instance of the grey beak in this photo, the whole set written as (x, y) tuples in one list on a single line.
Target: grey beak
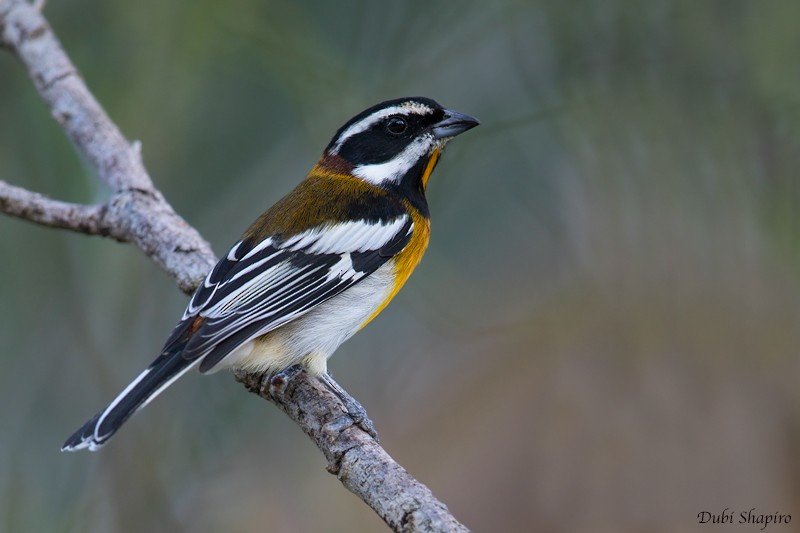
[(452, 124)]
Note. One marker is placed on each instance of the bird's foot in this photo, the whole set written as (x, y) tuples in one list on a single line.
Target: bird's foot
[(279, 380), (353, 407)]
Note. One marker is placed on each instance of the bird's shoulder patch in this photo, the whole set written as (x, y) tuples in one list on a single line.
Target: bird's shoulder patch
[(325, 198)]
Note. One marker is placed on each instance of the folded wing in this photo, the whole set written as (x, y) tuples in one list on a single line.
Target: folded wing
[(260, 286)]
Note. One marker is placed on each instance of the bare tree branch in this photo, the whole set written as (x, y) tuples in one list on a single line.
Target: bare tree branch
[(138, 213), (354, 457), (35, 207)]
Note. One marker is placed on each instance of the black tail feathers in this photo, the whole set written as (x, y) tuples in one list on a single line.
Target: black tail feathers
[(158, 376)]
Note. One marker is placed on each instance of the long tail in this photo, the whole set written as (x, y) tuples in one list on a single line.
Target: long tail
[(158, 376)]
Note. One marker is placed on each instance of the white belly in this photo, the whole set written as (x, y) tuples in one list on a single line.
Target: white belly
[(313, 337)]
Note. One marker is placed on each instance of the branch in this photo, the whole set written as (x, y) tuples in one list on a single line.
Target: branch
[(138, 213), (354, 457), (35, 207)]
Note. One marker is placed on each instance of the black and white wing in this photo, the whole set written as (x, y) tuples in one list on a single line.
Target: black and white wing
[(259, 286), (255, 288)]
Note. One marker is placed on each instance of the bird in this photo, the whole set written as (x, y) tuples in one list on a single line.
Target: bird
[(314, 268)]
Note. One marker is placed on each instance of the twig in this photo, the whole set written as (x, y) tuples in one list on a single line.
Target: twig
[(354, 457), (35, 207), (138, 213)]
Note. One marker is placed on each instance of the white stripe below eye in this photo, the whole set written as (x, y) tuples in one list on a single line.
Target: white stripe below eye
[(367, 122), (394, 169), (355, 236)]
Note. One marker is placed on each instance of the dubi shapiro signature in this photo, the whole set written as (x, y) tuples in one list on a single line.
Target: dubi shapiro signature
[(751, 516)]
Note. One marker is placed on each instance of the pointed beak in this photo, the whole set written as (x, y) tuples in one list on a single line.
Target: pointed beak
[(452, 124)]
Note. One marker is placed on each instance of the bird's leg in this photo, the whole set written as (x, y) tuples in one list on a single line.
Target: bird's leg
[(281, 378), (354, 408)]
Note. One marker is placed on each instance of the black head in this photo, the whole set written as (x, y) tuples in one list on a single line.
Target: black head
[(386, 141)]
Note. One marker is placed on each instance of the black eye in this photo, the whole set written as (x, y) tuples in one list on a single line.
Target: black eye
[(396, 125)]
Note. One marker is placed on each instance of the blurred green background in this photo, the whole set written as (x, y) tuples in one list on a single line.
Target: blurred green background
[(603, 335)]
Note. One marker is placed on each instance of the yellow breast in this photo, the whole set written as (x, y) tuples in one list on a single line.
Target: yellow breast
[(407, 260)]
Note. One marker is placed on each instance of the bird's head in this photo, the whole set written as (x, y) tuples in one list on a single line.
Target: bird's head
[(397, 142)]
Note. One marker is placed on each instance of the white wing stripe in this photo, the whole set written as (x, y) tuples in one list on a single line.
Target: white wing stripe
[(254, 289), (232, 251), (291, 241), (354, 236), (288, 294), (251, 267), (249, 291), (356, 239), (342, 269), (289, 298), (279, 294), (260, 314), (343, 238), (305, 271), (305, 239), (240, 295), (263, 244)]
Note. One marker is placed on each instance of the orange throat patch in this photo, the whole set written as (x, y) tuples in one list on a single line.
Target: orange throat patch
[(407, 260), (426, 174)]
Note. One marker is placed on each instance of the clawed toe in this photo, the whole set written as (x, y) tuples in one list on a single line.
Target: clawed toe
[(356, 411)]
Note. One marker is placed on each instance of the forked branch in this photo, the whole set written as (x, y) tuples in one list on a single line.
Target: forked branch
[(138, 213)]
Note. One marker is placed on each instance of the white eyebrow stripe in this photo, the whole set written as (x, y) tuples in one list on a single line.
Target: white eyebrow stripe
[(367, 122)]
